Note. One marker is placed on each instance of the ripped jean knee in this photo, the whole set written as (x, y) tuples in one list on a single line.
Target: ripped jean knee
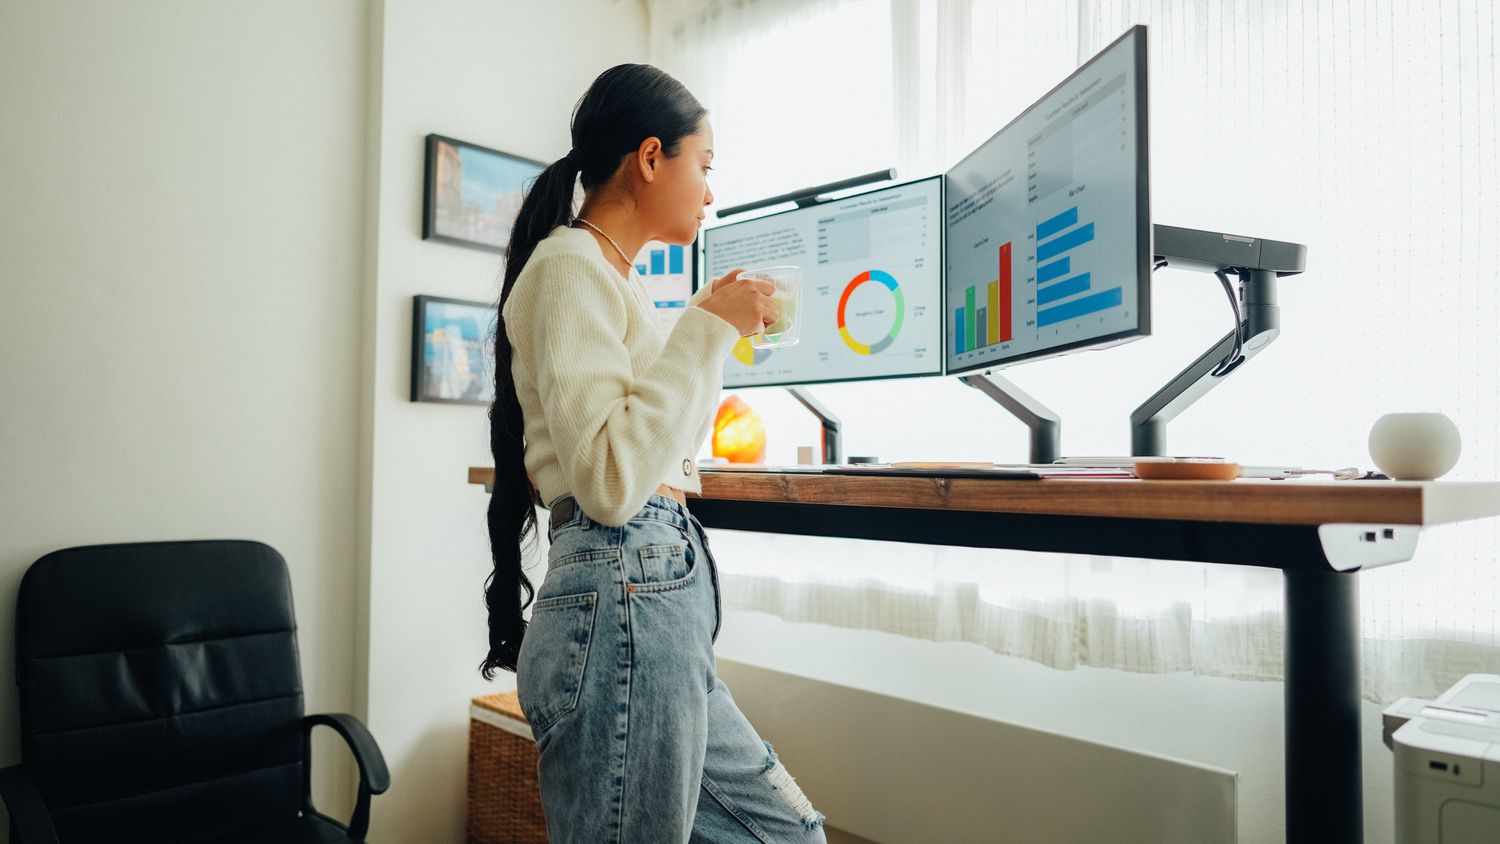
[(781, 779)]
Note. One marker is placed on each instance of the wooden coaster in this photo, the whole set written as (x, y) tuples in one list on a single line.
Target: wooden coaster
[(1187, 471)]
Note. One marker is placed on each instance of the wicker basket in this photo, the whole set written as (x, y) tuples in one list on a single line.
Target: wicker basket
[(505, 805)]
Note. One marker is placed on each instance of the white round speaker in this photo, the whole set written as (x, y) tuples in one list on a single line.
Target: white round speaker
[(1414, 446)]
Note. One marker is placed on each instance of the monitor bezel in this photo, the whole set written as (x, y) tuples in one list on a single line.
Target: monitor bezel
[(1142, 328), (939, 370)]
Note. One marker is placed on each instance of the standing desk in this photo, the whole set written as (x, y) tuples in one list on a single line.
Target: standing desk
[(1320, 534)]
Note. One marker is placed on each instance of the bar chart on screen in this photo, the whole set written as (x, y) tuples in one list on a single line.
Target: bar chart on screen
[(1057, 239), (1067, 162), (1043, 234), (978, 326), (665, 270)]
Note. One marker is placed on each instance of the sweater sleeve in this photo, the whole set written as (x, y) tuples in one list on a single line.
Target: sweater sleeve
[(617, 432), (700, 294)]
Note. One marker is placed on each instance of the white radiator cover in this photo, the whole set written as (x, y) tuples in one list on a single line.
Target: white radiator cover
[(899, 772)]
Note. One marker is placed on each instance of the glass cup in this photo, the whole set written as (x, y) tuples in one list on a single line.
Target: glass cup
[(785, 331)]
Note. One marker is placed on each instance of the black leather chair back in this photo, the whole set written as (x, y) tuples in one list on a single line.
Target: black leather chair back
[(160, 681)]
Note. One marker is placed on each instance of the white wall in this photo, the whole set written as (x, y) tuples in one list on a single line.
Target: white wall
[(180, 260), (505, 75)]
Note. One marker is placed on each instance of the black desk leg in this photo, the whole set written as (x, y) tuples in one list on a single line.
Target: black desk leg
[(1323, 795)]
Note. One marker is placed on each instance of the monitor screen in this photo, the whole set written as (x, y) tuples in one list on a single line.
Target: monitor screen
[(871, 286), (1048, 237)]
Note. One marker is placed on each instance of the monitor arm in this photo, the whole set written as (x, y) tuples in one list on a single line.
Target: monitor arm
[(1257, 263), (833, 429), (1043, 425)]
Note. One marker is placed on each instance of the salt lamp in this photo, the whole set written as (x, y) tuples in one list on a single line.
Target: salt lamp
[(739, 434)]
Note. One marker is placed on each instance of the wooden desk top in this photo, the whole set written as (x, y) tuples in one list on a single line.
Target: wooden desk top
[(1289, 502)]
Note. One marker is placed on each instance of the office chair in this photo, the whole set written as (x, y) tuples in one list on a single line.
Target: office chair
[(161, 700)]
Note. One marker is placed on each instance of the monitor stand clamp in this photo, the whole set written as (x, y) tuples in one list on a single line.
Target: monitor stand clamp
[(833, 429), (1045, 426), (1257, 263)]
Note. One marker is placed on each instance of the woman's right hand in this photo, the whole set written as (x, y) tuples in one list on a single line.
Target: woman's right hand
[(744, 303)]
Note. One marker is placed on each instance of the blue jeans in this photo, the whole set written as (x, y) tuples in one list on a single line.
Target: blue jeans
[(640, 741)]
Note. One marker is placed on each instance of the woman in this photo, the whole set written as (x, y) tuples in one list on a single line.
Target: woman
[(639, 739)]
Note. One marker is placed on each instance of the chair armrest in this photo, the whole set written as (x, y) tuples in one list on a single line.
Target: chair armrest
[(28, 813), (374, 777)]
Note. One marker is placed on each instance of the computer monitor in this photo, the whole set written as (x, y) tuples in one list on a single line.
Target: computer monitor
[(1048, 237), (872, 291)]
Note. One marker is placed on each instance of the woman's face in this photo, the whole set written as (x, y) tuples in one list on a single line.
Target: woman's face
[(680, 193)]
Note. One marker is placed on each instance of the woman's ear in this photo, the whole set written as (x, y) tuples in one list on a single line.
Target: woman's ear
[(648, 156)]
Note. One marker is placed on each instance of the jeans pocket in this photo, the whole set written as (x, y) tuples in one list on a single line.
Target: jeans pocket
[(554, 652), (665, 567)]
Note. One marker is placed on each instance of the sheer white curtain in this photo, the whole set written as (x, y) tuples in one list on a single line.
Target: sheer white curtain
[(793, 87), (1366, 131)]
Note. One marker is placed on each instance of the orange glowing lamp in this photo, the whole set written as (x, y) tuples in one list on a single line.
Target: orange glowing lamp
[(739, 434)]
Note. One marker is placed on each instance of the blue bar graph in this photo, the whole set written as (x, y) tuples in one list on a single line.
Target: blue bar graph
[(1062, 243), (672, 259), (1065, 220), (1056, 269), (1080, 307), (1063, 289), (958, 333)]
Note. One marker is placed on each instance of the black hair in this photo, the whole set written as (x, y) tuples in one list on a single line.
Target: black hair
[(623, 107)]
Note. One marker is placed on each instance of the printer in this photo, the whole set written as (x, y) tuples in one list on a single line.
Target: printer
[(1447, 760)]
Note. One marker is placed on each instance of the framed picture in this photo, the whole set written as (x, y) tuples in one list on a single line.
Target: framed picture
[(471, 194), (450, 344)]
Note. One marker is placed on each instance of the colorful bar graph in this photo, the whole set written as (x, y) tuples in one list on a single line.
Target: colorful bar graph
[(985, 318), (1063, 289), (674, 258), (1062, 243), (1080, 307), (1065, 220), (1056, 269), (658, 261), (1003, 335), (640, 268)]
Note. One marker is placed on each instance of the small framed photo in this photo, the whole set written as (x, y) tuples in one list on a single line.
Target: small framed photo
[(471, 194), (450, 345)]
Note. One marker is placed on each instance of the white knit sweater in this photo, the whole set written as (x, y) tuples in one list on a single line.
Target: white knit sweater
[(613, 406)]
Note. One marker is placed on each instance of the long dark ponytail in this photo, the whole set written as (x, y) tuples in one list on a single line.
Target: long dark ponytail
[(626, 105)]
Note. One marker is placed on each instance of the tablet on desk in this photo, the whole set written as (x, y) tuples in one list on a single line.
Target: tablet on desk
[(800, 468), (1007, 473)]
